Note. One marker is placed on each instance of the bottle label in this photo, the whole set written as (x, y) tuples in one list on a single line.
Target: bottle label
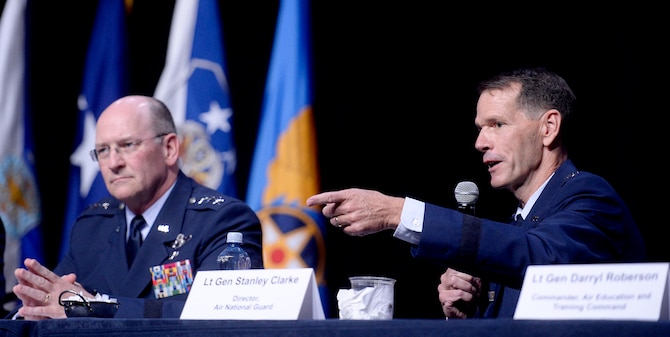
[(233, 257)]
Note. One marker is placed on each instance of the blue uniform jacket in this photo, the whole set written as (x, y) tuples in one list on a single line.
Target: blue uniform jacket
[(97, 246), (578, 218)]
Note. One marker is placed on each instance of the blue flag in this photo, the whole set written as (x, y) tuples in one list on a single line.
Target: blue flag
[(194, 87), (284, 171), (105, 80), (20, 207)]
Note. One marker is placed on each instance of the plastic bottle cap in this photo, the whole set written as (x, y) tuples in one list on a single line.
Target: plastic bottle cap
[(234, 237)]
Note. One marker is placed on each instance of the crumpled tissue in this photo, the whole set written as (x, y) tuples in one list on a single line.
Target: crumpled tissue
[(369, 303)]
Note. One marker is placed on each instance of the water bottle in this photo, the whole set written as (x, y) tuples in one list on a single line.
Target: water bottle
[(233, 256)]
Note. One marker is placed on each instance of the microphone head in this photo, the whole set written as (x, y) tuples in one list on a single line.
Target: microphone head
[(466, 193)]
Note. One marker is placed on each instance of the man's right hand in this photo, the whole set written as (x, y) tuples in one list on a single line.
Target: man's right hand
[(359, 212)]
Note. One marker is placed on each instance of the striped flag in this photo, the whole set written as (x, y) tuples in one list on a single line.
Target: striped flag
[(284, 171), (194, 87), (20, 208), (105, 80)]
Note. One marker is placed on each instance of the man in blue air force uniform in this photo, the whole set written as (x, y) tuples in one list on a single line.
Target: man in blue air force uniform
[(564, 215), (182, 228)]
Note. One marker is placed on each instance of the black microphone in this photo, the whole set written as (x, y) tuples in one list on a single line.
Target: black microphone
[(466, 194)]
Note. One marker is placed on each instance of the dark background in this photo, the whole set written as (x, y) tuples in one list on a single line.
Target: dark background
[(394, 98)]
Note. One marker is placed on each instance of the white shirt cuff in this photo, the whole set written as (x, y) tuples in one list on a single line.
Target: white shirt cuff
[(411, 221)]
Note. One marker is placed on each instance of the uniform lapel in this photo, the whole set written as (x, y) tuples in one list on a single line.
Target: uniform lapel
[(156, 248), (118, 267)]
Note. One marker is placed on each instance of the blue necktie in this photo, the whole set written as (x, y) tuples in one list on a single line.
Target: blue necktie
[(135, 238)]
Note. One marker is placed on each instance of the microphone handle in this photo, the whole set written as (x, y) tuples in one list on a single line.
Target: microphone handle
[(467, 209)]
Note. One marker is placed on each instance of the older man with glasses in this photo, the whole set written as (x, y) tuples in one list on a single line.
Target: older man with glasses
[(157, 219)]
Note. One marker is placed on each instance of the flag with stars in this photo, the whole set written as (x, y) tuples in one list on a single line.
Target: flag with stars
[(20, 208), (284, 171), (105, 80), (194, 87)]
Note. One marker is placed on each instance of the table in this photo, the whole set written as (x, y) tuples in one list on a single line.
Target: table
[(79, 327)]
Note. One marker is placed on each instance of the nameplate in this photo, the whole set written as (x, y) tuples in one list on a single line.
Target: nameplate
[(617, 291), (263, 294)]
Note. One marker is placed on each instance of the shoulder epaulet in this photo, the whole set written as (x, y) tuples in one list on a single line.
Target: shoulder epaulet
[(207, 201), (104, 206), (570, 176)]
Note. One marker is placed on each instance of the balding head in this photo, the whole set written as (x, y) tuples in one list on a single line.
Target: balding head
[(138, 112)]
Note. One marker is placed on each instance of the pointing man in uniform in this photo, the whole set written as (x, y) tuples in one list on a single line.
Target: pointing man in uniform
[(564, 215)]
